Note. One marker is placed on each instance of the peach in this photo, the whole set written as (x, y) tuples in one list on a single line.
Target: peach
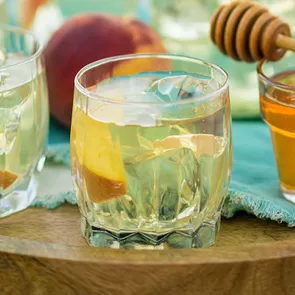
[(7, 178), (86, 38), (98, 159)]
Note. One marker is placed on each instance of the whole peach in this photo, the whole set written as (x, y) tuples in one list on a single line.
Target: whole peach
[(86, 38)]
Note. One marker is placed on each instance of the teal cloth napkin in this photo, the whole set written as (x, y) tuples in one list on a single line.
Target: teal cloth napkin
[(254, 186)]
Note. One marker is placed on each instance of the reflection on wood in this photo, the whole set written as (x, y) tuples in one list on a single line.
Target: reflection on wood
[(42, 252)]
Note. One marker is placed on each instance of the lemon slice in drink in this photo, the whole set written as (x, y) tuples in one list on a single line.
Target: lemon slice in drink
[(97, 158)]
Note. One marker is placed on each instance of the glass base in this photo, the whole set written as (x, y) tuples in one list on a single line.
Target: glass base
[(19, 199), (23, 195), (288, 194), (203, 237)]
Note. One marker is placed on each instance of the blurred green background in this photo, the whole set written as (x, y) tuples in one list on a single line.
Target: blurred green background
[(183, 25)]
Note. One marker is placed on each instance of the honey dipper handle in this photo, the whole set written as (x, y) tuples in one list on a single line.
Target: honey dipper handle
[(285, 42)]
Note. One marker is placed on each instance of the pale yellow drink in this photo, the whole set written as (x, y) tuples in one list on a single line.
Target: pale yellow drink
[(24, 118)]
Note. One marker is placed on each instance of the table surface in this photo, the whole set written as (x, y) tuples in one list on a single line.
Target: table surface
[(44, 252), (62, 226)]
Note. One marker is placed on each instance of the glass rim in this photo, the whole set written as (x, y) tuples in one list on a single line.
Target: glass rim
[(16, 29), (107, 60), (262, 75)]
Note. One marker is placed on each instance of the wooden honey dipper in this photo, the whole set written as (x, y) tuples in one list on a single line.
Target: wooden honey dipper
[(249, 32)]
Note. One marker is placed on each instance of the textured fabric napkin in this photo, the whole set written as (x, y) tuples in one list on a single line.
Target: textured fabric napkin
[(254, 185)]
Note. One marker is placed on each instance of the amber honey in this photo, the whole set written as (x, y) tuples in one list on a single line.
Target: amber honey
[(278, 110)]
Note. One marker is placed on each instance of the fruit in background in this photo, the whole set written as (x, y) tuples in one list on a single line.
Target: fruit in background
[(28, 10), (87, 38)]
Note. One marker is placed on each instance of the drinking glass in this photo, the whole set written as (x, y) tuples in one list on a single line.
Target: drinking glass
[(23, 117), (277, 101), (151, 151)]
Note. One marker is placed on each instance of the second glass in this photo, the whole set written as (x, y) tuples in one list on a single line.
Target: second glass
[(151, 151), (24, 117)]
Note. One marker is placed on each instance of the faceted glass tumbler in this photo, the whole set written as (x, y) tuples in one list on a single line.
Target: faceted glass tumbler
[(24, 117), (151, 151)]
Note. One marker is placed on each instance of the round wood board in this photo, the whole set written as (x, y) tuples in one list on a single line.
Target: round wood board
[(43, 252)]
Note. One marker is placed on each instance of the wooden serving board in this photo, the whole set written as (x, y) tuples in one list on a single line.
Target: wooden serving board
[(43, 252)]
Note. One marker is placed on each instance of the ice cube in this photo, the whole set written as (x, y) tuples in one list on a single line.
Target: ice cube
[(158, 180), (145, 114), (142, 93), (166, 88), (9, 126), (179, 87), (129, 89), (126, 113), (126, 88), (147, 117)]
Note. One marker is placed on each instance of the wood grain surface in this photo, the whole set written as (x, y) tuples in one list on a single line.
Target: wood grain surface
[(43, 252)]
